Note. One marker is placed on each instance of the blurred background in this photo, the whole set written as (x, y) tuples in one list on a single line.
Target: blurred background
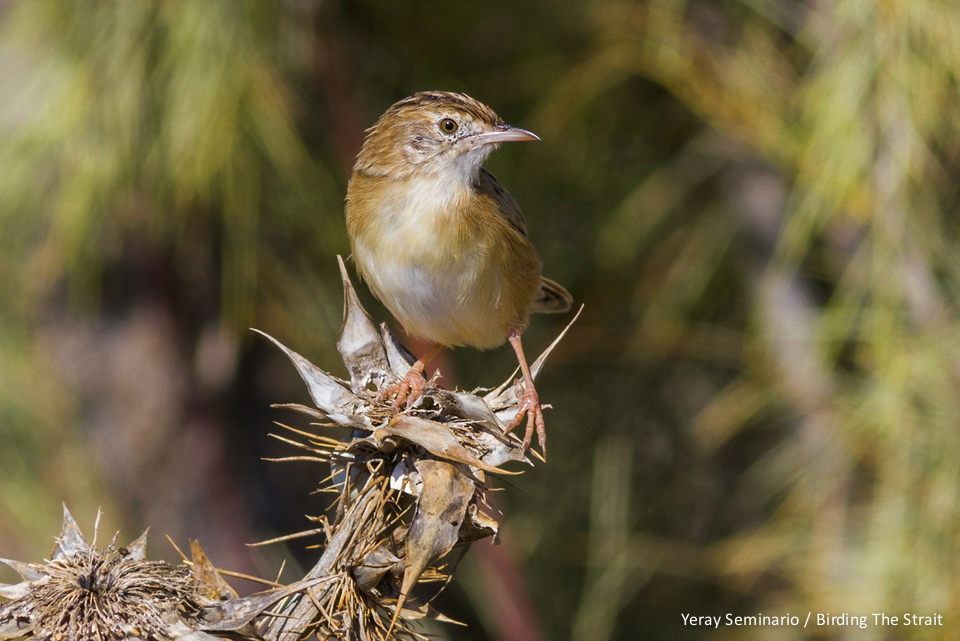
[(756, 200)]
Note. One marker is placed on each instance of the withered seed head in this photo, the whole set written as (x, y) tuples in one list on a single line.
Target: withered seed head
[(114, 594), (100, 594)]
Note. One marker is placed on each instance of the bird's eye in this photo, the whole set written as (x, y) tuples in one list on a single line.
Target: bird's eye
[(448, 125)]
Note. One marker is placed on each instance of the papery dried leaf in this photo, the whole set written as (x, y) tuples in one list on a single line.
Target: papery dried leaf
[(234, 614), (485, 433), (331, 396), (359, 342), (303, 409), (193, 635), (478, 526), (213, 585), (14, 591), (14, 622), (502, 396), (27, 571), (425, 610), (537, 365), (398, 357), (375, 566), (435, 438), (137, 550), (434, 530), (466, 406), (71, 541), (403, 478)]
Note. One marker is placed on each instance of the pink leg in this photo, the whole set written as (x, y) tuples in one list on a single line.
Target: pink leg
[(411, 387), (529, 401)]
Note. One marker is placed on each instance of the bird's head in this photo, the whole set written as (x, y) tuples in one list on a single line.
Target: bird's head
[(433, 132)]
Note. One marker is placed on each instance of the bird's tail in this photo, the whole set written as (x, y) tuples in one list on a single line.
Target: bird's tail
[(551, 298)]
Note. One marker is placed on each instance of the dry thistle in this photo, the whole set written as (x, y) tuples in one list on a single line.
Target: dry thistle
[(411, 484), (86, 593)]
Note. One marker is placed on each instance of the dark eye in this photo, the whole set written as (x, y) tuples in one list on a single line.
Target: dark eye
[(448, 125)]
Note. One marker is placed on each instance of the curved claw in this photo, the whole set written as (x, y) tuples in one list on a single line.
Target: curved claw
[(407, 391), (528, 402), (529, 408)]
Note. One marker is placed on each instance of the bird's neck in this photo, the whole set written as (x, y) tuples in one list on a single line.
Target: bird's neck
[(428, 192), (437, 196)]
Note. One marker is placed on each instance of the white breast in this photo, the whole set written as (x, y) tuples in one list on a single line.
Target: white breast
[(437, 284)]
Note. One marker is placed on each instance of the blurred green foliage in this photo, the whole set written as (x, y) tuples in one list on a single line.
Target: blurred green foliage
[(755, 199)]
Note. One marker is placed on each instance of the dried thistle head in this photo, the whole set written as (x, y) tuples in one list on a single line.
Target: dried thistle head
[(97, 594), (411, 484), (85, 593)]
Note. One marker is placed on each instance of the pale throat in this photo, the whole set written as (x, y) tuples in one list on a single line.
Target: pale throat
[(426, 203)]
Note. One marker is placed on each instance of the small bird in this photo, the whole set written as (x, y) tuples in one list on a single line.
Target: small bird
[(440, 242)]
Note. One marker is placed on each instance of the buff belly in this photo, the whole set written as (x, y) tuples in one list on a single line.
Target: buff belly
[(453, 303)]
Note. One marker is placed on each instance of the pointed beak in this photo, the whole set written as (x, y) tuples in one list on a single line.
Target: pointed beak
[(506, 133)]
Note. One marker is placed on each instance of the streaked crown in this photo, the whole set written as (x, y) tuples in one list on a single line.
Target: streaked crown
[(427, 132)]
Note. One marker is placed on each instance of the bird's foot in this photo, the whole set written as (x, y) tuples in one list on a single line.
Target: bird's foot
[(528, 406), (407, 390)]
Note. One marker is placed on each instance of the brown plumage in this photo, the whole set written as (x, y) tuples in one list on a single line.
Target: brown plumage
[(439, 241)]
